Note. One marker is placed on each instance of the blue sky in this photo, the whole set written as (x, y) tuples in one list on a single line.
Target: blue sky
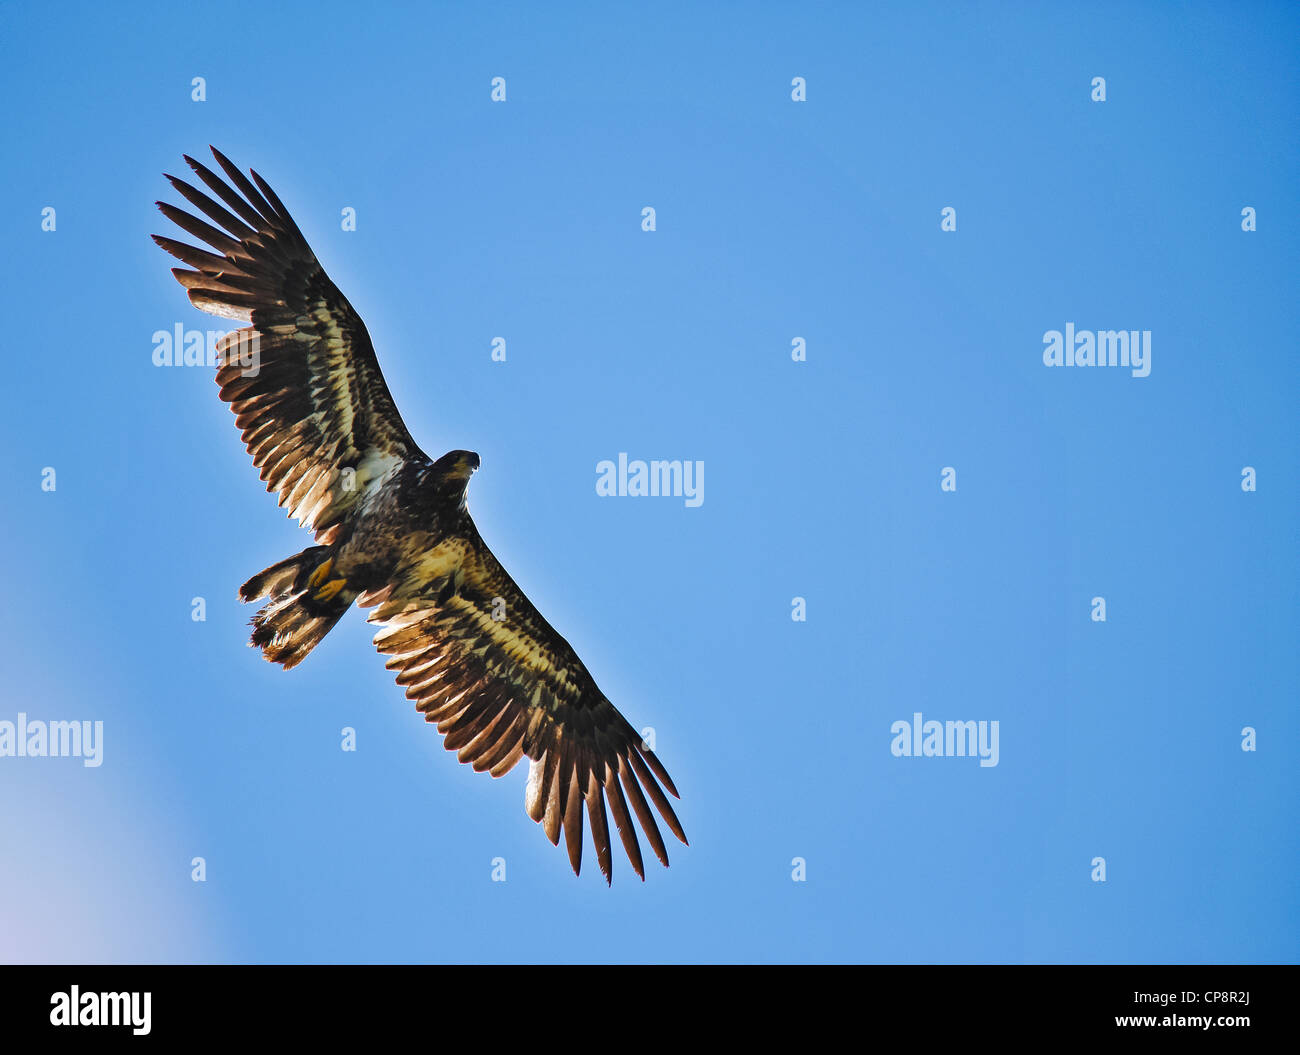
[(775, 219)]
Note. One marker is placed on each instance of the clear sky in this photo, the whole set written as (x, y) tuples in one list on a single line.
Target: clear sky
[(775, 219)]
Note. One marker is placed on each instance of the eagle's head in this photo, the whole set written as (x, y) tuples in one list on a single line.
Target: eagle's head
[(451, 473)]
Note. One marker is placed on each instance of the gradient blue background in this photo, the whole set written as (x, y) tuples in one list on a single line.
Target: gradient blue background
[(775, 220)]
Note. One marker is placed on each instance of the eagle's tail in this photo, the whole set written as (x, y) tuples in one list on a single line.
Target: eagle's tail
[(306, 599)]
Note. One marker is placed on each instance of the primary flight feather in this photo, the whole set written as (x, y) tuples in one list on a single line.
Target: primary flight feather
[(393, 533)]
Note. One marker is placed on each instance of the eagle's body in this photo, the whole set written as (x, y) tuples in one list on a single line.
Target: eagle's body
[(394, 534)]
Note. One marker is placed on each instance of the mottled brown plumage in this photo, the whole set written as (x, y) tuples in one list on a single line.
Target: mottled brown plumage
[(394, 534)]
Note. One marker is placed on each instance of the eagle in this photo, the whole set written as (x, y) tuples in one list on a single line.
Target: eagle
[(393, 533)]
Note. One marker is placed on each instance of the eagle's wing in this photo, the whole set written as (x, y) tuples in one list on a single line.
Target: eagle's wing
[(303, 379), (480, 661)]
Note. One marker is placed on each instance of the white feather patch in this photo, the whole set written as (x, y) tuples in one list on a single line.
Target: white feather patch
[(533, 793), (375, 468)]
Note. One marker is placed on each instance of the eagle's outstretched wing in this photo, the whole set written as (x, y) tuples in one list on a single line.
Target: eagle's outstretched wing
[(480, 661), (302, 380)]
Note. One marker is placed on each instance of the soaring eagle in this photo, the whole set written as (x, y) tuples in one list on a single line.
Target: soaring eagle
[(393, 533)]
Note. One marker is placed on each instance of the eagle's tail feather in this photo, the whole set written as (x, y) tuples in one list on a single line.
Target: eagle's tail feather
[(306, 600)]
